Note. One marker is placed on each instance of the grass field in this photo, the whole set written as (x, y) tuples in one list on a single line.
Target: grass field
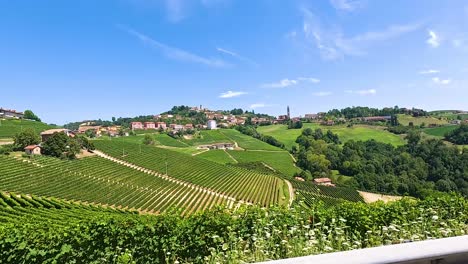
[(9, 127), (208, 137), (279, 161), (417, 121), (439, 131), (218, 156), (357, 132), (247, 142)]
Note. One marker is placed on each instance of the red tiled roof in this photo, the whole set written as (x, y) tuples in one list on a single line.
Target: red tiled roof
[(31, 147), (322, 180)]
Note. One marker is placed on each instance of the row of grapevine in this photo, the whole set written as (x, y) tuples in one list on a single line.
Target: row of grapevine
[(242, 184), (97, 180), (330, 195)]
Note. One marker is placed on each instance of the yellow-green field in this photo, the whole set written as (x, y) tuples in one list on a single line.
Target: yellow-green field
[(417, 121), (357, 132), (9, 127)]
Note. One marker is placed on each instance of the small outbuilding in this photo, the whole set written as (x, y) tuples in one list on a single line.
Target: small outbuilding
[(33, 150)]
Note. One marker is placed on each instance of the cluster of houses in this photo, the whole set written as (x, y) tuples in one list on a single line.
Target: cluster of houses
[(45, 135), (112, 131), (9, 113), (223, 146)]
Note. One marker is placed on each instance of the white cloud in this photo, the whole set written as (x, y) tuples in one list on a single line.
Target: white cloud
[(257, 105), (362, 92), (346, 5), (175, 10), (175, 53), (437, 80), (430, 71), (322, 94), (332, 43), (237, 56), (309, 79), (281, 84), (289, 82), (434, 39), (230, 94)]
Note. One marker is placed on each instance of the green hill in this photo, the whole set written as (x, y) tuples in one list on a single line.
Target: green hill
[(239, 183), (357, 132), (9, 127), (439, 131)]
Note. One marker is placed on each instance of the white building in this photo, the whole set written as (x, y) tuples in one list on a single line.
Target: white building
[(211, 124)]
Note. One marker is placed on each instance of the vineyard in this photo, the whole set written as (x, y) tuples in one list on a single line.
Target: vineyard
[(96, 180), (9, 127), (241, 184), (311, 193), (208, 137), (280, 161), (247, 142)]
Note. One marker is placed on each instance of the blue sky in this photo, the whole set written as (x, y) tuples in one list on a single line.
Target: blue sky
[(75, 60)]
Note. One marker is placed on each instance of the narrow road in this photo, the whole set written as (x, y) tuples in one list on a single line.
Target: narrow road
[(291, 192), (227, 152)]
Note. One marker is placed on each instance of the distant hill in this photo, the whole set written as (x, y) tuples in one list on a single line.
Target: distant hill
[(9, 127)]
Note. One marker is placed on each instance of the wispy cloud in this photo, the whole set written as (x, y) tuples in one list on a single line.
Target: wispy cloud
[(172, 52), (346, 5), (434, 39), (258, 105), (430, 71), (237, 56), (175, 10), (308, 79), (437, 80), (362, 92), (290, 82), (332, 43), (321, 94), (230, 94)]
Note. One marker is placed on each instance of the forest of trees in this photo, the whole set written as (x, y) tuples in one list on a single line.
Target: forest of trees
[(414, 169), (458, 136), (359, 111)]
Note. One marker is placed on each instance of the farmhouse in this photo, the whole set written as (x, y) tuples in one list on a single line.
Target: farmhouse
[(324, 181), (33, 150), (48, 133), (188, 126), (328, 123), (456, 122), (176, 127), (311, 116), (150, 125), (229, 146), (136, 125), (96, 129), (8, 113)]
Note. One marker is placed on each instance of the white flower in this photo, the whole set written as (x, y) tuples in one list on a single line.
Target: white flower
[(435, 217)]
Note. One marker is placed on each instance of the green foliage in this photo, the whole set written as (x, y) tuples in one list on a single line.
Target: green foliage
[(251, 131), (60, 145), (458, 136), (25, 138), (28, 114), (148, 139), (295, 124), (86, 234)]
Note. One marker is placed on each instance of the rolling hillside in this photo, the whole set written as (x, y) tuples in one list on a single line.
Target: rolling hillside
[(9, 127), (97, 180), (238, 183), (357, 132)]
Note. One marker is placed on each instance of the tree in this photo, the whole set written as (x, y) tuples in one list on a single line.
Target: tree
[(148, 140), (28, 114), (25, 138), (85, 143), (61, 145)]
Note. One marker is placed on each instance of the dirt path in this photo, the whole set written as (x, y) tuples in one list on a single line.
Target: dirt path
[(168, 178), (227, 152), (374, 197), (198, 153), (291, 192)]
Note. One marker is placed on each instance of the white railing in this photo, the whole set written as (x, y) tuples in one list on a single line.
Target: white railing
[(440, 251)]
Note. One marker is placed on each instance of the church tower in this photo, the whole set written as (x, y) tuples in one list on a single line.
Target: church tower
[(289, 113)]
